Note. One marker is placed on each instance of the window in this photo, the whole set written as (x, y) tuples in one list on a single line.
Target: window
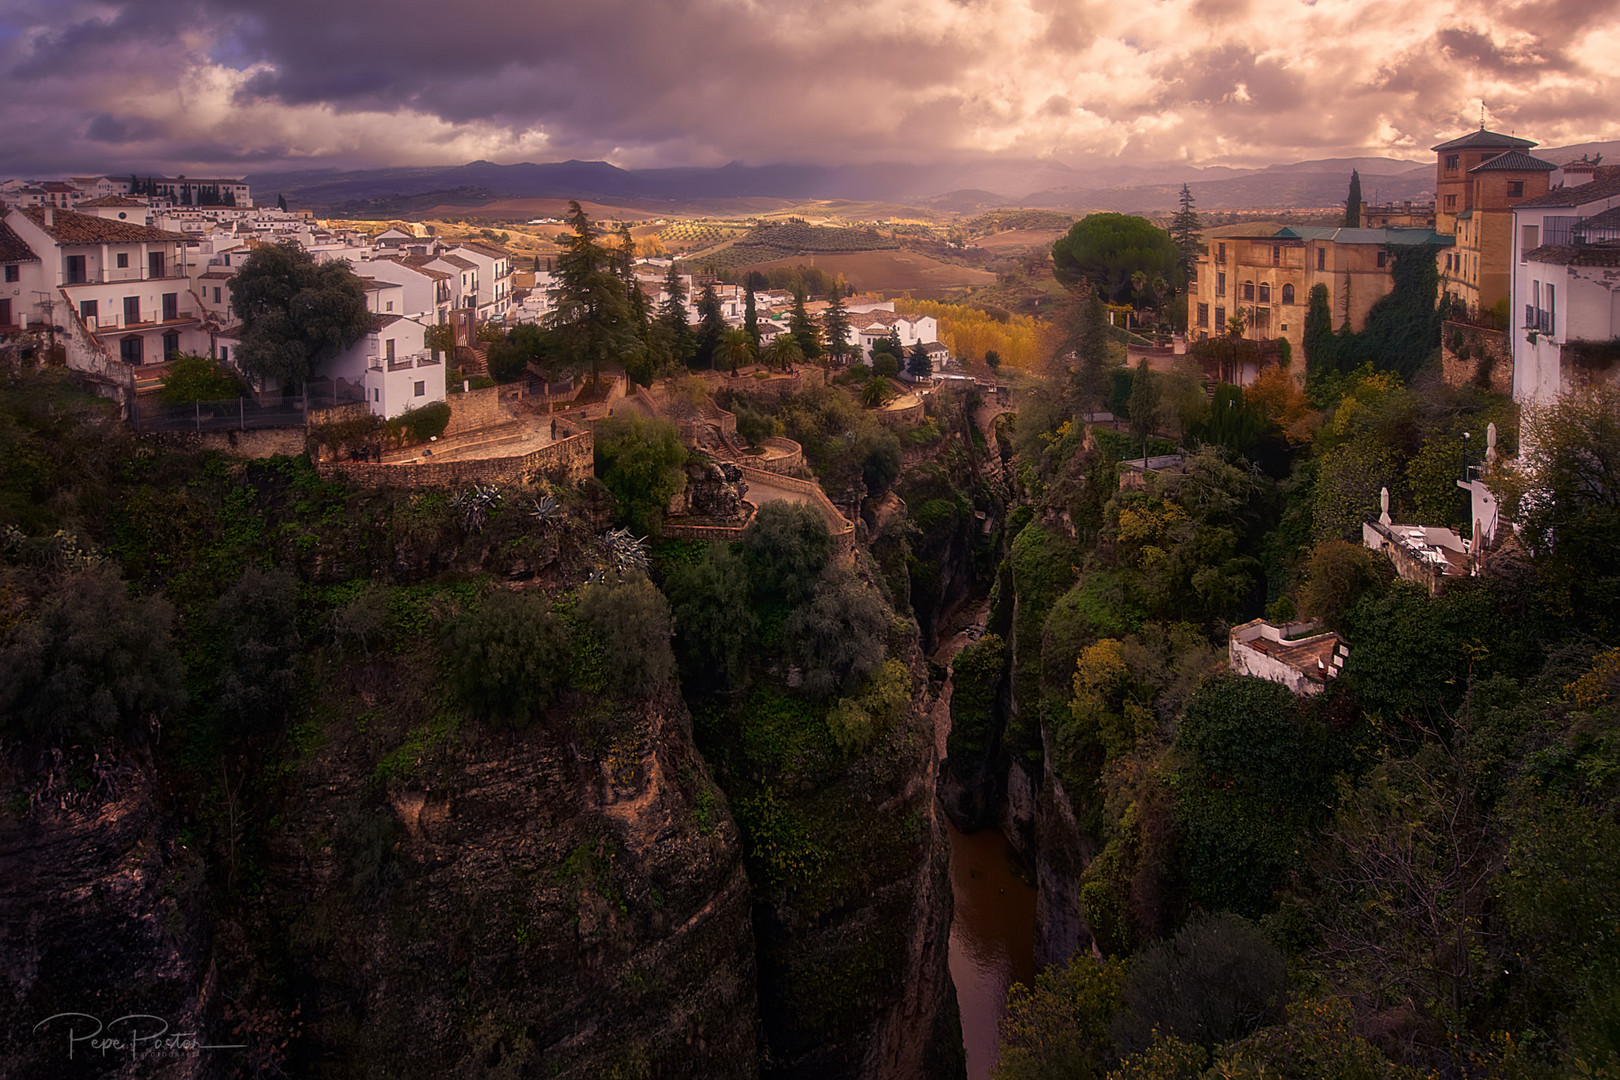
[(421, 389), (123, 260), (216, 296), (88, 309), (1221, 252), (5, 311), (389, 306), (1288, 294), (376, 394), (13, 273), (1220, 318), (132, 309), (171, 345), (1383, 259), (224, 353), (388, 349), (1515, 189), (1276, 254), (171, 306), (1452, 161), (154, 264), (75, 269), (1203, 314), (1321, 258), (1265, 293), (1551, 322), (1451, 202), (129, 350), (1529, 239), (1248, 291), (1220, 284)]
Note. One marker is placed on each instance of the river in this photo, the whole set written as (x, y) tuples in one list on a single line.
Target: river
[(993, 931)]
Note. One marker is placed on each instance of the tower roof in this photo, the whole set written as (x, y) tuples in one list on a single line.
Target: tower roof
[(1487, 139), (1514, 161)]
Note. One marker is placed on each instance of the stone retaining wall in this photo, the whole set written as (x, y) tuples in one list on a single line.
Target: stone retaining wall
[(843, 534), (253, 443), (910, 416), (567, 460), (1485, 349), (787, 465), (474, 409)]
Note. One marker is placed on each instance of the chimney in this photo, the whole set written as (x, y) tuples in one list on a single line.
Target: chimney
[(50, 217)]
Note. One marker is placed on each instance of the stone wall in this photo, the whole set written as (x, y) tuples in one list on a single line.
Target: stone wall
[(910, 416), (843, 531), (354, 410), (1486, 352), (254, 443), (474, 409), (568, 460), (788, 462)]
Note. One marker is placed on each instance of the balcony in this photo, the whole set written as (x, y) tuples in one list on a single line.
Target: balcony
[(1537, 320)]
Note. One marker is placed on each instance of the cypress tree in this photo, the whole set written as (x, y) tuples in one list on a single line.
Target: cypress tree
[(711, 325), (1352, 202), (750, 315), (672, 316), (1321, 344), (803, 327), (835, 327), (1185, 229)]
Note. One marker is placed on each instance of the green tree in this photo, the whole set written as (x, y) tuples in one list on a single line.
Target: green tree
[(91, 661), (784, 352), (714, 620), (639, 460), (1348, 483), (296, 313), (804, 328), (1337, 575), (736, 349), (785, 548), (1218, 980), (841, 635), (1059, 1029), (631, 619), (1321, 344), (1565, 496), (992, 360), (750, 316), (508, 656), (711, 326), (1081, 349), (835, 330), (1144, 404), (197, 378), (672, 317), (591, 310), (255, 626), (1106, 249), (1186, 230), (918, 363), (1352, 202)]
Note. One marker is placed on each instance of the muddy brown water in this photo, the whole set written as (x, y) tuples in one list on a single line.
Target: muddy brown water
[(993, 931), (992, 938)]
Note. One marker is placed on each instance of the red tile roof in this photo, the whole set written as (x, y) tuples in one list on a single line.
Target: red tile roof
[(13, 249), (68, 227)]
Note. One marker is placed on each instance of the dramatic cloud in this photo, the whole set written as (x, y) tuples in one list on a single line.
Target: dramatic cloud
[(244, 84)]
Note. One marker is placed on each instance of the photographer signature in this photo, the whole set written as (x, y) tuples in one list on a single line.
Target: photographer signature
[(136, 1034)]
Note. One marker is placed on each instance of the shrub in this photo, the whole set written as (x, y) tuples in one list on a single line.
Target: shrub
[(841, 635), (255, 625), (420, 425), (1219, 979), (631, 618), (508, 657), (639, 461), (786, 547), (93, 660), (197, 378), (713, 618)]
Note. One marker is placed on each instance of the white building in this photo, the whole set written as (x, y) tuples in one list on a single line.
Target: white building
[(118, 288), (1566, 283), (493, 283), (426, 290), (1289, 654)]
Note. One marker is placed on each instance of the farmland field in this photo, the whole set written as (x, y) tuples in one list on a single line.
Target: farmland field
[(890, 271), (1012, 240)]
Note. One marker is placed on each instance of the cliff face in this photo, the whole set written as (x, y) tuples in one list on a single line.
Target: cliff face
[(492, 905), (102, 913)]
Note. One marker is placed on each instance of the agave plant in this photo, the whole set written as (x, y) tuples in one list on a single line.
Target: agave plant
[(475, 505), (545, 510), (625, 553)]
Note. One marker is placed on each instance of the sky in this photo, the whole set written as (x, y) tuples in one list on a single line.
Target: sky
[(244, 86)]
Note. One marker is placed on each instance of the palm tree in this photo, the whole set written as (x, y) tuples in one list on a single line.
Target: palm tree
[(736, 348), (877, 392), (784, 352)]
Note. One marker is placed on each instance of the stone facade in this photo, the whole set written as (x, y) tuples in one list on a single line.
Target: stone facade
[(1486, 360), (473, 409)]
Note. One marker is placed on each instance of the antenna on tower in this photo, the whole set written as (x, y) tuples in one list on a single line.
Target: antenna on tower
[(1482, 114)]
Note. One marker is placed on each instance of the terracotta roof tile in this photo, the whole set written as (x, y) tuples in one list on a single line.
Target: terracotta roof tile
[(68, 227), (120, 201), (13, 249), (1605, 185), (1514, 161), (1486, 139)]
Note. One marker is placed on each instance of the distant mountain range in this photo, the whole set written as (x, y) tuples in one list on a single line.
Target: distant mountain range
[(965, 188)]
